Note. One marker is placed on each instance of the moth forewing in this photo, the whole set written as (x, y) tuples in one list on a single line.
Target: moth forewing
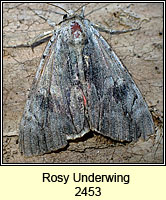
[(81, 85)]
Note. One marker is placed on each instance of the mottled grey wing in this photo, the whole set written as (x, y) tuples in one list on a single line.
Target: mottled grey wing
[(54, 111), (116, 106), (37, 128)]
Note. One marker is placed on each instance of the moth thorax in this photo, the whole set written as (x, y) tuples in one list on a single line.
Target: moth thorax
[(77, 34)]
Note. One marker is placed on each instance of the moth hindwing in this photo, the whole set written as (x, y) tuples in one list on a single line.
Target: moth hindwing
[(81, 85)]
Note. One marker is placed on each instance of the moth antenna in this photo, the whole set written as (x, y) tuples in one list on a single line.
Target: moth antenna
[(82, 12), (58, 7), (96, 9), (58, 13), (83, 9)]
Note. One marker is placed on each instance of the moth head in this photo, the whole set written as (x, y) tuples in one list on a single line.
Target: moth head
[(70, 13)]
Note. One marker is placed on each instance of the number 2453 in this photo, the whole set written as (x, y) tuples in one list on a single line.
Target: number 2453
[(88, 191)]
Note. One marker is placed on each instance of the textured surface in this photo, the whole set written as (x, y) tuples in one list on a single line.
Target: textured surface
[(133, 54)]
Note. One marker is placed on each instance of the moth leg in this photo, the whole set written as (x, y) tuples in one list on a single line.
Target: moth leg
[(35, 41), (112, 32), (40, 38)]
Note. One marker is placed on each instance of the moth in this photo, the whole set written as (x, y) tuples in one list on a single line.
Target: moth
[(81, 86)]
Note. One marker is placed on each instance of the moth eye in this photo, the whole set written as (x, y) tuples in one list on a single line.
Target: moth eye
[(65, 16)]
